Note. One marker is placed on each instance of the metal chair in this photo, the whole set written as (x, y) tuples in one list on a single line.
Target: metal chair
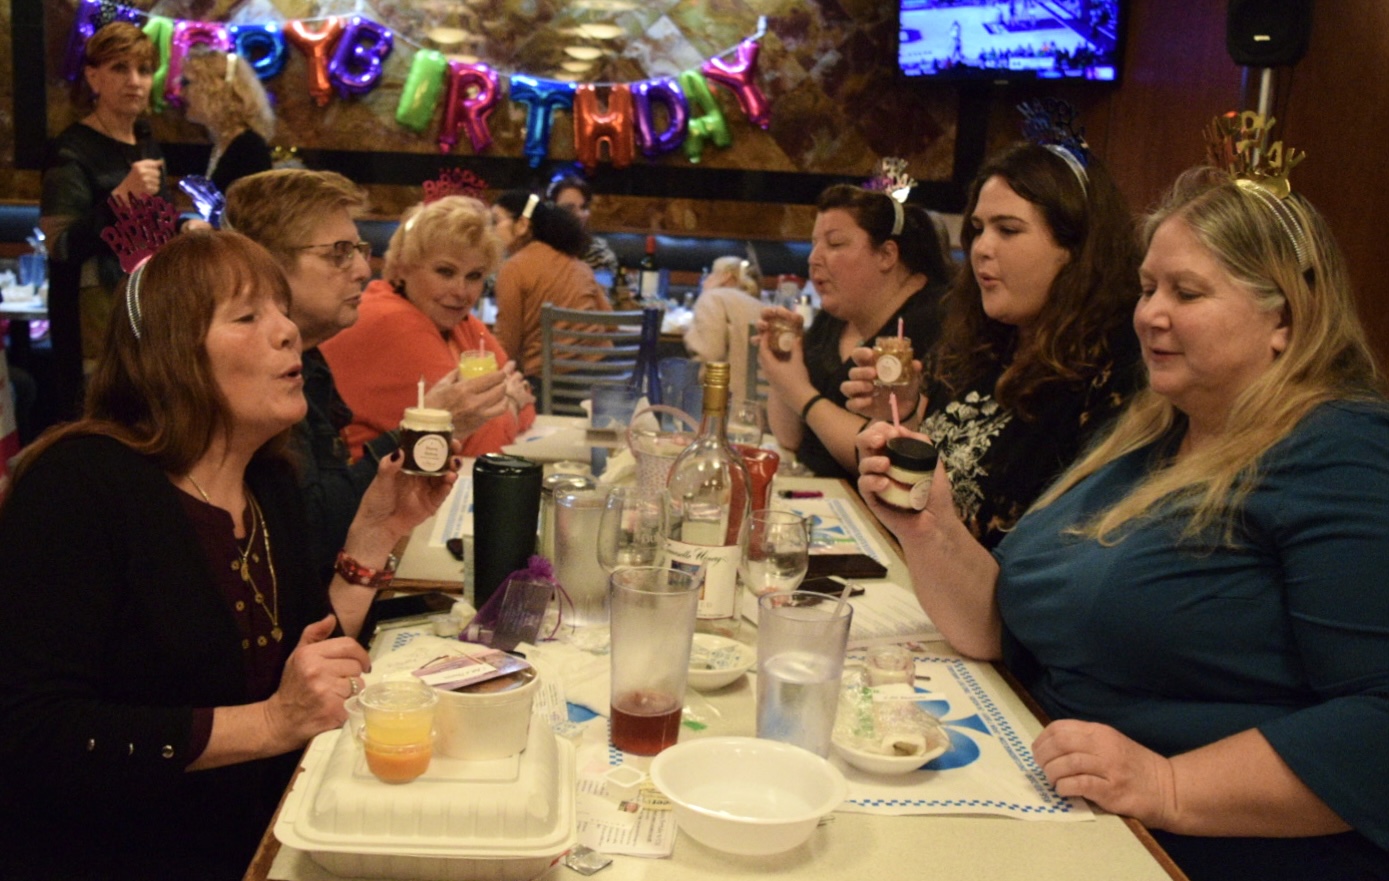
[(580, 348)]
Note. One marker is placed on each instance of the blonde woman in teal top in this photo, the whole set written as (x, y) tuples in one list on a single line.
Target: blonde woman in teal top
[(1199, 602)]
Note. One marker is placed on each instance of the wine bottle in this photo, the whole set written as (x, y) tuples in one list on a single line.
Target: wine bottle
[(708, 487), (646, 375), (649, 282)]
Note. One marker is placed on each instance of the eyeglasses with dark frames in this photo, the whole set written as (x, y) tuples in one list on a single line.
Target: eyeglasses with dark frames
[(340, 253)]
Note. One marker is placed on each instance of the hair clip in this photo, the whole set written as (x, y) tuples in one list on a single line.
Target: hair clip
[(142, 225), (454, 182), (231, 68), (1238, 143), (207, 199), (531, 201), (1051, 123)]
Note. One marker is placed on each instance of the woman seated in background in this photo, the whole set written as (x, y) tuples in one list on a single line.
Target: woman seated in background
[(1200, 599), (152, 716), (573, 194), (875, 262), (729, 300), (222, 93), (543, 245), (1035, 352), (418, 320)]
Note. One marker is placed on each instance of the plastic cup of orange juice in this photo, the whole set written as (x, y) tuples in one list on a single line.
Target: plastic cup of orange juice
[(398, 728), (476, 362)]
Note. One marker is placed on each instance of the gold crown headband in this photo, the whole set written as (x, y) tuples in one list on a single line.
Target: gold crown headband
[(1239, 144)]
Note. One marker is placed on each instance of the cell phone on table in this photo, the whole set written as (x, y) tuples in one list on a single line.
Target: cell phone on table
[(832, 585), (404, 610)]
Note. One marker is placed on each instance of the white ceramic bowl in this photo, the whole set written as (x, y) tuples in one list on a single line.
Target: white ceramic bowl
[(716, 661), (878, 763), (747, 796)]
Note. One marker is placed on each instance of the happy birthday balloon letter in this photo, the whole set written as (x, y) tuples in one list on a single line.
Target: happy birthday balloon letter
[(709, 124), (594, 126), (474, 90), (316, 42), (355, 66), (188, 34), (647, 95), (262, 46), (160, 30), (542, 98), (738, 77), (422, 86)]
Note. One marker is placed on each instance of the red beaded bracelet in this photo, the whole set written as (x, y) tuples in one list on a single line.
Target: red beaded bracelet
[(354, 572)]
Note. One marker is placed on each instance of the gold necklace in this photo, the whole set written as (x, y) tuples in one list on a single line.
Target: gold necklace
[(243, 567), (258, 521)]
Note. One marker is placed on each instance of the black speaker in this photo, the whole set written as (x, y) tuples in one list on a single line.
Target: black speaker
[(1268, 33)]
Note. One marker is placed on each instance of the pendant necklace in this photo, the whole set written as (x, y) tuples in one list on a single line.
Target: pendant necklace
[(243, 567)]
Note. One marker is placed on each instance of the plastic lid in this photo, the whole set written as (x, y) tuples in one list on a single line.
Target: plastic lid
[(426, 419), (912, 454), (499, 463), (557, 483)]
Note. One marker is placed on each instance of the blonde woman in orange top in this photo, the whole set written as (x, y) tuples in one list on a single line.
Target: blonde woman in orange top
[(417, 321)]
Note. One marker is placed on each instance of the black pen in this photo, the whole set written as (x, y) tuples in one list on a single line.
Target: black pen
[(801, 494)]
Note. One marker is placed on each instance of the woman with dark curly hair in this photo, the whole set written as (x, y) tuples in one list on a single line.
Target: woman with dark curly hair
[(1035, 349), (544, 244)]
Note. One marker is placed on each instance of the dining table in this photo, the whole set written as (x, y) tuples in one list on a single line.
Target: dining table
[(852, 845)]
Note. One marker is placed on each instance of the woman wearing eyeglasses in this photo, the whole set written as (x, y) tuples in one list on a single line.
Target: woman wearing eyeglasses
[(305, 220)]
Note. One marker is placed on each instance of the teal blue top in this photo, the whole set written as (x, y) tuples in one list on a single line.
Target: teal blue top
[(1178, 646)]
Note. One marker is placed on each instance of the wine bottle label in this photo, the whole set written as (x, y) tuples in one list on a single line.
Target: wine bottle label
[(650, 283), (718, 594)]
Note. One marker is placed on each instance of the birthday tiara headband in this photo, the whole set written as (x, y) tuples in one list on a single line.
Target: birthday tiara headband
[(450, 182), (892, 179), (454, 182), (1051, 123), (1239, 144), (143, 225)]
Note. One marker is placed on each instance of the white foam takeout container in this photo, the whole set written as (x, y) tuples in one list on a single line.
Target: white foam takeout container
[(500, 820)]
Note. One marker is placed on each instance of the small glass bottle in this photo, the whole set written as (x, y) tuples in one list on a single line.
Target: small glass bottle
[(709, 500)]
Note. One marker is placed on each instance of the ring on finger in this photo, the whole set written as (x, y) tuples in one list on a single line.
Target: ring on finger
[(353, 686)]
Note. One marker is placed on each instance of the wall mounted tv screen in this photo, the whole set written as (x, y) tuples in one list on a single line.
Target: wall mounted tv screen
[(1011, 39)]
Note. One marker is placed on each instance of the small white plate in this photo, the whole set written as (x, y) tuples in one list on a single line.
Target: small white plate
[(716, 661), (877, 763)]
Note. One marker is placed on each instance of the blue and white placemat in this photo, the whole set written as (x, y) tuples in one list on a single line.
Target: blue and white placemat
[(989, 768)]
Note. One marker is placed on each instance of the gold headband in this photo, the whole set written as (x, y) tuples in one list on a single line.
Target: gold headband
[(1239, 144)]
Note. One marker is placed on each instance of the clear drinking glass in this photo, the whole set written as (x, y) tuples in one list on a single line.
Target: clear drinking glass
[(632, 529), (776, 551), (747, 421)]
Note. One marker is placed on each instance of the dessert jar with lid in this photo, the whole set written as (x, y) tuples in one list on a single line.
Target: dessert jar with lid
[(911, 464)]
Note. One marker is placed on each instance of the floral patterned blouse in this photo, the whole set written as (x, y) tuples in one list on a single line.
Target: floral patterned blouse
[(999, 462)]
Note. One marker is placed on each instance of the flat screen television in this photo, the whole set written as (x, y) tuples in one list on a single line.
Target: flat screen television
[(1011, 39)]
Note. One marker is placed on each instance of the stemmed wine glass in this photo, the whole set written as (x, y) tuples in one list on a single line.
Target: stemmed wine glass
[(776, 551), (632, 529), (747, 422)]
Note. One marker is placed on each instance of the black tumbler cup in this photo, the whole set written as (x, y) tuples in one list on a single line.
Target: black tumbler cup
[(506, 509)]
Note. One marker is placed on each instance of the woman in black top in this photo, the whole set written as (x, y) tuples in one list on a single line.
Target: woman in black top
[(873, 261), (110, 152), (1036, 351), (222, 93), (170, 645)]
